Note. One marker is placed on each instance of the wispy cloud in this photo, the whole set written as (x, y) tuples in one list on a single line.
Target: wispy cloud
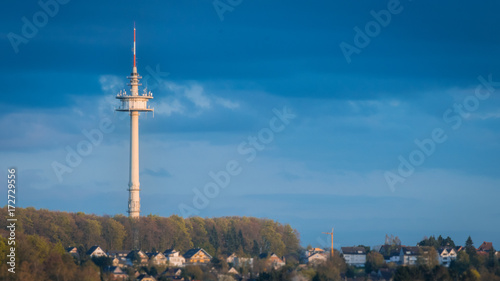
[(185, 98), (111, 84), (169, 107), (160, 172), (487, 115), (227, 103), (190, 98), (196, 95)]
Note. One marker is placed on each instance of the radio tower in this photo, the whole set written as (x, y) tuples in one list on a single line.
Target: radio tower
[(133, 103)]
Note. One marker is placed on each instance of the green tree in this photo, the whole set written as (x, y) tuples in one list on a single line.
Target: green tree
[(493, 261), (429, 257), (469, 246), (92, 231), (4, 250), (292, 241), (272, 241), (329, 270), (192, 272), (102, 262), (374, 261), (448, 242), (403, 274), (255, 249), (232, 240), (113, 233), (461, 264), (181, 238), (472, 275), (213, 238)]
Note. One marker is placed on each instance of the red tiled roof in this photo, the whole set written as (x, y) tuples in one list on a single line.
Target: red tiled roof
[(486, 246)]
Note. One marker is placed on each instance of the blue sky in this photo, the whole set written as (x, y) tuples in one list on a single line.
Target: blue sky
[(426, 74)]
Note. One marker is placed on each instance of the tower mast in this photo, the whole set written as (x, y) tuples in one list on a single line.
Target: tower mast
[(133, 103)]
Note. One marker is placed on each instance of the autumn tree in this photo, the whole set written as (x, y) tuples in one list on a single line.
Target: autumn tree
[(374, 261), (272, 241), (428, 257), (113, 234)]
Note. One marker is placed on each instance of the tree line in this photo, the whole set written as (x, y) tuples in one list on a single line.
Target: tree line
[(43, 233)]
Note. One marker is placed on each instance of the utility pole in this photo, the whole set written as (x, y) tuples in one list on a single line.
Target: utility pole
[(331, 235)]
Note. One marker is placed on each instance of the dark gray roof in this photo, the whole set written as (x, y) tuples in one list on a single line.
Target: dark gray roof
[(192, 252), (169, 251), (389, 251), (92, 249), (411, 251), (131, 253), (353, 250), (441, 249), (118, 253), (113, 269), (150, 255)]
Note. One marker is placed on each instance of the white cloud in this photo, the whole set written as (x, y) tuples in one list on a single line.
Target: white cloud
[(169, 107), (111, 84), (227, 103), (196, 95), (487, 115), (182, 98), (190, 98)]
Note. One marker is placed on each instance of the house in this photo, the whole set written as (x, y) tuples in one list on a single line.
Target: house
[(145, 277), (355, 256), (172, 273), (119, 258), (115, 261), (446, 255), (118, 254), (409, 255), (197, 256), (231, 258), (390, 253), (313, 251), (96, 251), (240, 262), (116, 272), (137, 256), (272, 260), (317, 258), (174, 258), (73, 251), (485, 247), (157, 258)]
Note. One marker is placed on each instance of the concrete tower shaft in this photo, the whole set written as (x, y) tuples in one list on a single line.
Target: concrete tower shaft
[(134, 202), (133, 103)]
